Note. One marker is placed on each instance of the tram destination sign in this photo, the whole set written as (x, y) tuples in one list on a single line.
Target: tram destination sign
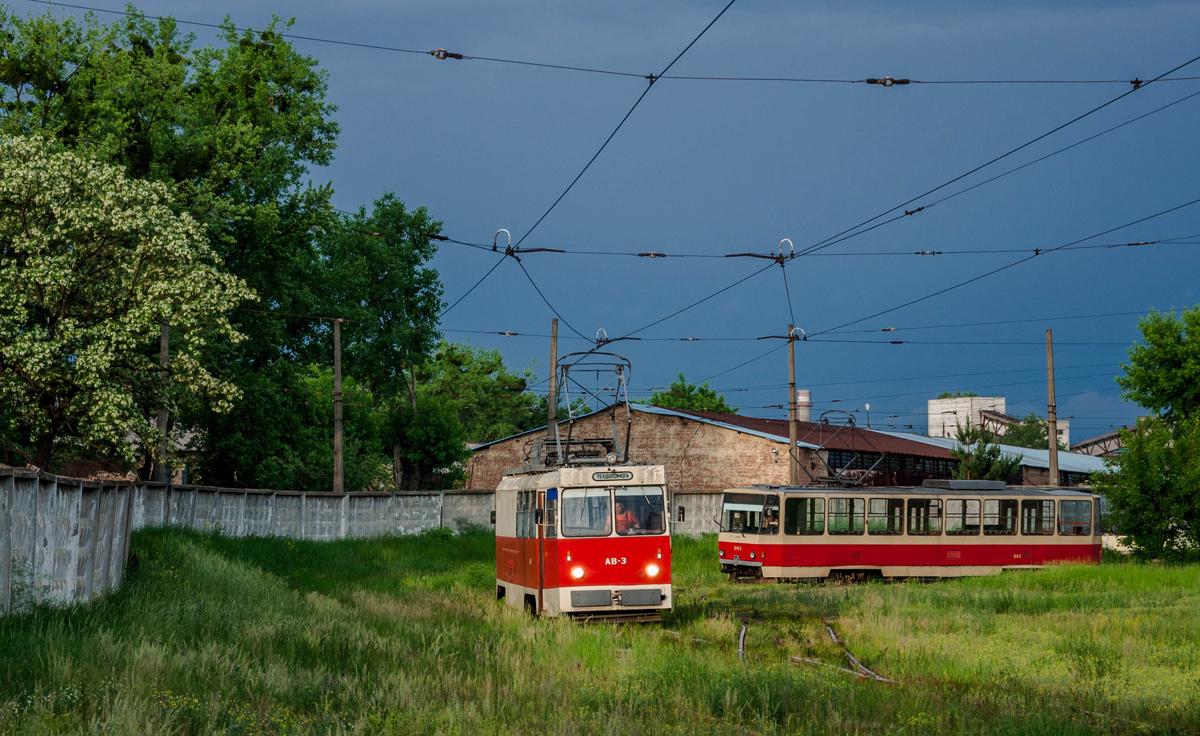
[(613, 475)]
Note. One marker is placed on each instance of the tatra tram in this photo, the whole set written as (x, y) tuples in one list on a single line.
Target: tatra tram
[(582, 531), (945, 528)]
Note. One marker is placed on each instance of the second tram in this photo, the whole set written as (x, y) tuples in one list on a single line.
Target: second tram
[(942, 529)]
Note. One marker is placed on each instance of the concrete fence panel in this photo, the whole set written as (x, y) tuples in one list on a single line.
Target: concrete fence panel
[(62, 540)]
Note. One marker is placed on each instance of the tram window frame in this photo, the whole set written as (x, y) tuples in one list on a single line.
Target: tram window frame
[(1079, 525), (803, 517), (569, 495), (964, 516), (850, 515), (927, 521), (1035, 524), (520, 514), (770, 515), (892, 523), (999, 529)]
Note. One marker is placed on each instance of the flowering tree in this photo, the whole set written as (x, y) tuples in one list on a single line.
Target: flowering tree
[(91, 264)]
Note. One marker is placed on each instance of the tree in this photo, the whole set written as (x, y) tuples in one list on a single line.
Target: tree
[(231, 131), (1163, 373), (957, 394), (91, 263), (1151, 489), (690, 397), (980, 458), (1032, 431)]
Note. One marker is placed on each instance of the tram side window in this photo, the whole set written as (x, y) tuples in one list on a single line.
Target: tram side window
[(585, 512), (1000, 516), (639, 510), (1075, 518), (885, 516), (925, 516), (742, 513), (551, 518), (962, 516), (522, 514), (804, 516), (846, 515), (1037, 517)]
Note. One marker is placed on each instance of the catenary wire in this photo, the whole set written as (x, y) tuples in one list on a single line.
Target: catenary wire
[(1005, 267), (604, 145), (825, 243)]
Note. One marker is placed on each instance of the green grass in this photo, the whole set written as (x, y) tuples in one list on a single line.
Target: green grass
[(402, 635)]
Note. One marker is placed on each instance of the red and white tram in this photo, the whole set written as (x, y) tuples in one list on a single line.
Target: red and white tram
[(943, 529), (588, 540)]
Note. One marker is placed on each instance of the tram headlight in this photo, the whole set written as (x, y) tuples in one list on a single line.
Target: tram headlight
[(752, 555), (652, 570), (720, 553), (577, 572)]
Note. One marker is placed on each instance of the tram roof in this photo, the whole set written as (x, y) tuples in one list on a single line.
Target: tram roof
[(1015, 491)]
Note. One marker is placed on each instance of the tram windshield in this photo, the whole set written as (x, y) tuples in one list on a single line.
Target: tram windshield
[(586, 512), (595, 512), (639, 510), (743, 513)]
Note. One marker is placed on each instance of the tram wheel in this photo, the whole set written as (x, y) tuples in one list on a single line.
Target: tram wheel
[(531, 606)]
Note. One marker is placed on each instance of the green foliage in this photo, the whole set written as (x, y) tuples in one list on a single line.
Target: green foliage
[(690, 397), (431, 442), (1032, 431), (1151, 489), (1163, 373), (489, 400), (980, 458), (91, 264), (956, 394)]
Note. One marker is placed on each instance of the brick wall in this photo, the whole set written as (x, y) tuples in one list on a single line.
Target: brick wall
[(698, 457)]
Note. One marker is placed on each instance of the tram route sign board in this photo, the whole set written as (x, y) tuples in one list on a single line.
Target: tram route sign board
[(612, 475)]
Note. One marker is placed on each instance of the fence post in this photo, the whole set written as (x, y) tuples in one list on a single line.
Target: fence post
[(7, 491)]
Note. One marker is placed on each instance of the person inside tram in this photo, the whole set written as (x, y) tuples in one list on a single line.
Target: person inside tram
[(626, 520)]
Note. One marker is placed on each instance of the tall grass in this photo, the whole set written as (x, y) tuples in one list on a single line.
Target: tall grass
[(402, 635)]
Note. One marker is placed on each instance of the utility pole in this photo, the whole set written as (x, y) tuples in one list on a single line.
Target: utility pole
[(1051, 411), (338, 486), (793, 461), (552, 404), (160, 467)]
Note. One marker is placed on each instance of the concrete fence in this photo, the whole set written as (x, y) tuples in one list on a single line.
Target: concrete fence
[(61, 539), (64, 540)]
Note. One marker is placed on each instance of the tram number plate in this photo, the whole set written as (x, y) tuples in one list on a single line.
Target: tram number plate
[(615, 560)]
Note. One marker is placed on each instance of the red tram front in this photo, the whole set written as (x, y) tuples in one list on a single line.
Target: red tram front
[(588, 541), (944, 529)]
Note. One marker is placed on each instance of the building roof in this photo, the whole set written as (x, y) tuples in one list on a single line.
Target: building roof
[(815, 435), (1068, 462)]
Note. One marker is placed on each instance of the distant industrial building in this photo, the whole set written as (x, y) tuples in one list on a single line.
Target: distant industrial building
[(945, 415)]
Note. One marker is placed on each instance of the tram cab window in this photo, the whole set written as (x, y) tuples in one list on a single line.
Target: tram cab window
[(525, 512), (804, 516), (586, 512), (1000, 516), (925, 516), (639, 510), (1075, 518), (885, 516), (770, 524), (962, 516), (742, 512), (846, 515), (1037, 517)]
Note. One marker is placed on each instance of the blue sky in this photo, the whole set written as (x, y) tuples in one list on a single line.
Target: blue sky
[(719, 167)]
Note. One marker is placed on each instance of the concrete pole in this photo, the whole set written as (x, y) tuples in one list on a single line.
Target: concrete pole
[(552, 404), (1051, 411), (793, 459), (160, 465), (338, 486)]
